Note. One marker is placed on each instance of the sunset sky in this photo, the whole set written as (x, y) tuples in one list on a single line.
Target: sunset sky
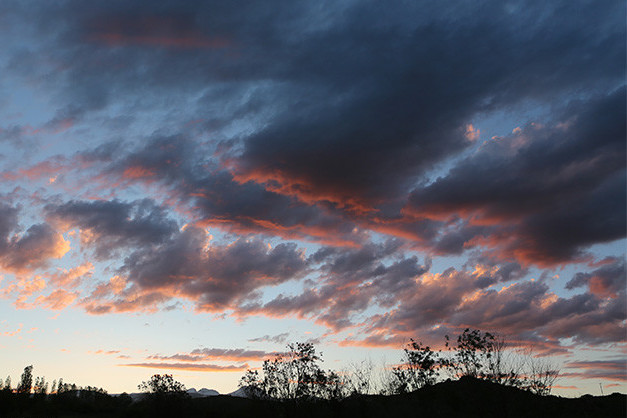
[(188, 186)]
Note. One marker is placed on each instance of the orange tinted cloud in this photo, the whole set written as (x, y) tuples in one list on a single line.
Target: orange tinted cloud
[(304, 190), (247, 225), (601, 287), (132, 301), (137, 172), (109, 352), (33, 249), (57, 300), (42, 170), (71, 277), (24, 286), (13, 333)]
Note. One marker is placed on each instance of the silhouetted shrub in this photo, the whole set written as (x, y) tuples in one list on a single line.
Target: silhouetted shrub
[(417, 369), (294, 375), (162, 385)]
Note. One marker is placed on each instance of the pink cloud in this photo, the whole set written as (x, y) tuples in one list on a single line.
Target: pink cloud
[(33, 249), (71, 277), (213, 354), (193, 367), (57, 300)]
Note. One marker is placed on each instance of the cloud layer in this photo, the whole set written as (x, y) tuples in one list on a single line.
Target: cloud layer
[(325, 162)]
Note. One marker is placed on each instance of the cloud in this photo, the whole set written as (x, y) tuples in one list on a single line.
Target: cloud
[(543, 194), (42, 170), (606, 281), (278, 339), (217, 354), (57, 300), (359, 105), (22, 253), (108, 226), (369, 123), (598, 369), (342, 126), (189, 266), (151, 31), (529, 310), (414, 300), (107, 352), (192, 367), (13, 333), (344, 116), (212, 196), (71, 277), (350, 281)]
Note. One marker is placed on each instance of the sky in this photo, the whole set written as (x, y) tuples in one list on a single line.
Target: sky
[(186, 187)]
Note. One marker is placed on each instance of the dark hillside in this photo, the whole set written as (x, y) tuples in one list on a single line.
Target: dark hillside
[(466, 397)]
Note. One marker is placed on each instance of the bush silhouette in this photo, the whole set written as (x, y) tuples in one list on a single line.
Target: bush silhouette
[(294, 375), (162, 385), (418, 368)]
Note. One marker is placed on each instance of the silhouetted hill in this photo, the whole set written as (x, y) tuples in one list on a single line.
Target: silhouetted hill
[(466, 397), (463, 398)]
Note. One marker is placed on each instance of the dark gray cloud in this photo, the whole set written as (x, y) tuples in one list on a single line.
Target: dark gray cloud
[(34, 249), (324, 123), (31, 249), (528, 311), (217, 199), (188, 266), (111, 225), (348, 283), (390, 110), (8, 222), (607, 280), (544, 193), (364, 97), (346, 107)]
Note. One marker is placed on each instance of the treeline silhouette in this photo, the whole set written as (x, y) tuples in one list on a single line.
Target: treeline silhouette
[(297, 374), (473, 376), (33, 397)]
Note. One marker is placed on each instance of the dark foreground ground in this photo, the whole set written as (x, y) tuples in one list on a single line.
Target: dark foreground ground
[(464, 398)]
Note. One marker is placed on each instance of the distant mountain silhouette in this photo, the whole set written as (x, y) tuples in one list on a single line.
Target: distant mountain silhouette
[(239, 393), (204, 392)]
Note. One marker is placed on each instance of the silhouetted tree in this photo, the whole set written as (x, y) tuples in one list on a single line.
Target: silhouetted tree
[(163, 385), (164, 395), (26, 382), (417, 369), (360, 377), (483, 355), (295, 374), (473, 353), (540, 375), (41, 386), (332, 386)]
